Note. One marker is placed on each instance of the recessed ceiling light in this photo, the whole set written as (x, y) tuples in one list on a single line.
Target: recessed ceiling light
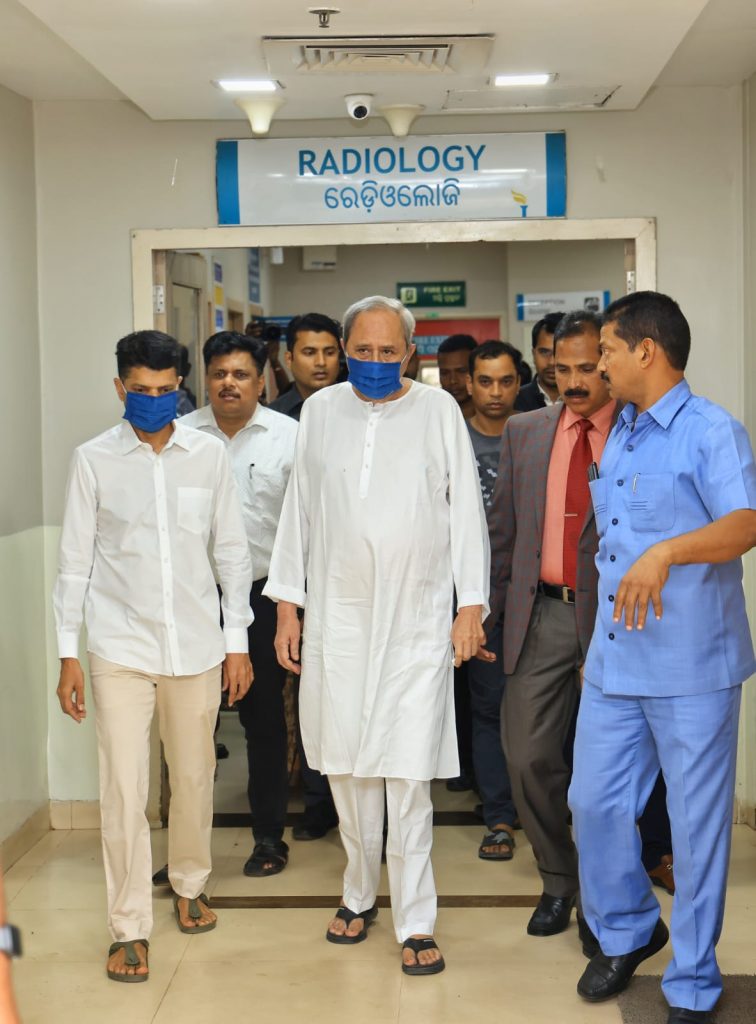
[(247, 85), (540, 79)]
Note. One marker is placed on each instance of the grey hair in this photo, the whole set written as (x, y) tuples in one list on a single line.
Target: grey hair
[(372, 302)]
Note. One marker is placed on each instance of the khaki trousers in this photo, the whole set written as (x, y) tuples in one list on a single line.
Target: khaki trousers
[(361, 804), (125, 701)]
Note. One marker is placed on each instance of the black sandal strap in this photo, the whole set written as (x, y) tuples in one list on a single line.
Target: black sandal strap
[(265, 852), (419, 945), (345, 914), (501, 838)]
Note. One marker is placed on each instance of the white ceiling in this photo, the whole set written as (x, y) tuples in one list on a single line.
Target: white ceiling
[(164, 54)]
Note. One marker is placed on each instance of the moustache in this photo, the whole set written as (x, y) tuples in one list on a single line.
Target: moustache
[(576, 393)]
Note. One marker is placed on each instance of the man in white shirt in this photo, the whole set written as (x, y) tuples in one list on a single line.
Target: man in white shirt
[(144, 502), (382, 520), (261, 444)]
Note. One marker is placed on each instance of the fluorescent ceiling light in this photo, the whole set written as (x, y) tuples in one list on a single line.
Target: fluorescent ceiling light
[(504, 80), (247, 85)]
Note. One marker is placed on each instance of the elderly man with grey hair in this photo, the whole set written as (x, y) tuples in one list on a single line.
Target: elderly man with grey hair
[(381, 523)]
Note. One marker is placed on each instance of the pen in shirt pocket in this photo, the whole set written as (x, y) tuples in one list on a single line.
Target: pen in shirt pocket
[(593, 473), (251, 467)]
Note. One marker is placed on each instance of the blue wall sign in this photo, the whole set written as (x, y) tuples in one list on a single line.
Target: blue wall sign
[(344, 181)]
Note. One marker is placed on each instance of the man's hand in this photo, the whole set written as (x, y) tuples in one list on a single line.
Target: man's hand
[(71, 689), (288, 637), (642, 583), (467, 635), (237, 676)]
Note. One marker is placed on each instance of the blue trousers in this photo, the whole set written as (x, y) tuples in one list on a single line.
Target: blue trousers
[(620, 745)]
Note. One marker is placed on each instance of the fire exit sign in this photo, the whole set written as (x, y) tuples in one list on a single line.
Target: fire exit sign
[(428, 294)]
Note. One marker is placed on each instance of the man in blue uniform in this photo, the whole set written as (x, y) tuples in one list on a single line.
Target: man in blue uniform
[(674, 506)]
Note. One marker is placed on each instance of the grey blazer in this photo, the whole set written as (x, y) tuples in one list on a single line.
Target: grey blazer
[(515, 524)]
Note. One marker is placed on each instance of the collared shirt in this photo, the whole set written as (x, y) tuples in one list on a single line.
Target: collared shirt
[(533, 396), (552, 553), (290, 403), (675, 468), (547, 399), (134, 553), (262, 454)]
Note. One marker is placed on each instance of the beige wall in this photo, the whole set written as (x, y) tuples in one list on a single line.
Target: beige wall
[(376, 269), (104, 168), (563, 267), (23, 674)]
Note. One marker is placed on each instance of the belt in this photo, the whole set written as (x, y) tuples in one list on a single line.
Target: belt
[(559, 593)]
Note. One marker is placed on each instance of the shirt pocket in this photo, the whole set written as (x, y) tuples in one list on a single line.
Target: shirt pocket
[(651, 502), (598, 497), (265, 487), (194, 509)]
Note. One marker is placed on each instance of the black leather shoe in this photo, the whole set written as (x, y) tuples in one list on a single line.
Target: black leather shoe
[(552, 915), (306, 833), (160, 878), (679, 1015), (607, 976), (586, 936)]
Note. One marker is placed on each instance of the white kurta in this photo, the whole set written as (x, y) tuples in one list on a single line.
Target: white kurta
[(382, 520)]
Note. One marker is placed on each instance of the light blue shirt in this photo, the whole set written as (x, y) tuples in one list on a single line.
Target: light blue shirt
[(675, 468)]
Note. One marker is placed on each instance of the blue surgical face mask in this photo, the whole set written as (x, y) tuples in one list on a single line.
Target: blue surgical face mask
[(374, 380), (150, 413)]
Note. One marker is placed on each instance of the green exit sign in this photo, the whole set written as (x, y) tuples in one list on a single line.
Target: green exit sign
[(432, 293)]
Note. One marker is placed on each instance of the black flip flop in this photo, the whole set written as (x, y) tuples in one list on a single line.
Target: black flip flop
[(497, 838), (268, 851), (343, 914), (420, 946)]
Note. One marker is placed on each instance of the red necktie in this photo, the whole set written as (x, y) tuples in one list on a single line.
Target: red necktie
[(576, 500)]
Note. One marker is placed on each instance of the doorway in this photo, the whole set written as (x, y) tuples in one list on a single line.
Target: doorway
[(633, 244)]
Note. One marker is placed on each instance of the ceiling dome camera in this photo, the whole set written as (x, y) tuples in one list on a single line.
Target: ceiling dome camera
[(358, 106)]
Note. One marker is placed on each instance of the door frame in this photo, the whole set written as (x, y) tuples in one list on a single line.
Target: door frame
[(638, 232)]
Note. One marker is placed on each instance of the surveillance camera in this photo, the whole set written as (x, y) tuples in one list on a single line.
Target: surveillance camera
[(358, 106)]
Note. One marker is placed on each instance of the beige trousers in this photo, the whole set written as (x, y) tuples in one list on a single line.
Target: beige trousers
[(187, 706)]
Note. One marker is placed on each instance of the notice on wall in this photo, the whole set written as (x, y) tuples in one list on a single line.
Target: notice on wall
[(373, 180), (534, 305), (428, 294)]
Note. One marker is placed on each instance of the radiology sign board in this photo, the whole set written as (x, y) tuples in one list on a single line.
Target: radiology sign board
[(378, 180)]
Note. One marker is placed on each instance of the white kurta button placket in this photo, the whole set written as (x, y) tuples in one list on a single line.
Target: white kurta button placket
[(369, 448)]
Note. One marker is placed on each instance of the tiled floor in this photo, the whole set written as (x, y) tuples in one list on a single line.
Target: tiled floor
[(271, 966)]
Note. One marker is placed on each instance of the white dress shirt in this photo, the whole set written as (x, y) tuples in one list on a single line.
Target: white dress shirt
[(262, 454), (137, 529)]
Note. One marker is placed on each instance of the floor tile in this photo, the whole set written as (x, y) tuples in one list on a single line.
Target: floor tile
[(356, 992), (275, 964), (64, 993), (251, 936), (466, 993), (81, 936)]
